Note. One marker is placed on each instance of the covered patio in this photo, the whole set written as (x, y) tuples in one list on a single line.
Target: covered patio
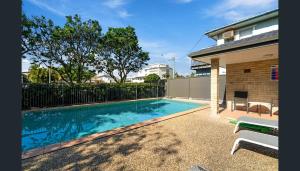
[(250, 67)]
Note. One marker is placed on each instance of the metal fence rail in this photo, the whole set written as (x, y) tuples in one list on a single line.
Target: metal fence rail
[(51, 95)]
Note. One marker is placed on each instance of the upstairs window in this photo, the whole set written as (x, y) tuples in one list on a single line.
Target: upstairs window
[(247, 32)]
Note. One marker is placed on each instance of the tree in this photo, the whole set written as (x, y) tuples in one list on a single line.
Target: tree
[(152, 78), (192, 75), (27, 36), (178, 75), (71, 48), (166, 75), (38, 74), (121, 54), (24, 79)]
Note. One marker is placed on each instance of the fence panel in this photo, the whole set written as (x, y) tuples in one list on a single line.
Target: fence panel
[(197, 88), (178, 87), (45, 95)]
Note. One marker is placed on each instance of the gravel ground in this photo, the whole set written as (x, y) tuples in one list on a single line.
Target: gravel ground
[(175, 144)]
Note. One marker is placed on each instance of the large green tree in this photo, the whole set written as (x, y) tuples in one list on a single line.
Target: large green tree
[(120, 53), (70, 48), (152, 78)]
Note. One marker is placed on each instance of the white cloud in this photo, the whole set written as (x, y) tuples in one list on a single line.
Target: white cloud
[(124, 14), (118, 7), (109, 12), (170, 55), (44, 5), (234, 10), (184, 1), (248, 3), (114, 3)]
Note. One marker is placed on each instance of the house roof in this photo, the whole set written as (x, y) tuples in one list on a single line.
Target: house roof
[(243, 23), (258, 40)]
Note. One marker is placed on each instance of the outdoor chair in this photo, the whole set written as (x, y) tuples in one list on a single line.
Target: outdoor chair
[(197, 168), (274, 104), (240, 97), (261, 139), (255, 121)]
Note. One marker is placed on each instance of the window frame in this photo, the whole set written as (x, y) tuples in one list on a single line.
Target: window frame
[(274, 66), (246, 28)]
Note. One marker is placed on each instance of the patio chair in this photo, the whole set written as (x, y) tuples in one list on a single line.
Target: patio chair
[(255, 121), (197, 168), (261, 139)]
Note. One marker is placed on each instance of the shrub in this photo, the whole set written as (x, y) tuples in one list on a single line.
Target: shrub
[(50, 95)]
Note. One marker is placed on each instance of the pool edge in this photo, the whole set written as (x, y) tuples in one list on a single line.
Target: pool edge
[(87, 104), (58, 146)]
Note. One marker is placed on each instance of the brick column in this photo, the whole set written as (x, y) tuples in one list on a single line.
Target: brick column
[(214, 86)]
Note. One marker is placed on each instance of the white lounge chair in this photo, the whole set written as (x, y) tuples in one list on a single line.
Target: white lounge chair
[(265, 140), (197, 168), (256, 121)]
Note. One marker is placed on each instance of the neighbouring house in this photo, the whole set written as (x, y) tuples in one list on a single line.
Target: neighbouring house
[(203, 69), (102, 78), (248, 50), (162, 70)]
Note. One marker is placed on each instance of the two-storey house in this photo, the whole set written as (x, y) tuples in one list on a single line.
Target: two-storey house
[(248, 49)]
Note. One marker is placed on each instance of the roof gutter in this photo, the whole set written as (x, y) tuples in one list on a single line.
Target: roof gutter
[(234, 49)]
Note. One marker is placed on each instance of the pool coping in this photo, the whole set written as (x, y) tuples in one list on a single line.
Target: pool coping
[(58, 146)]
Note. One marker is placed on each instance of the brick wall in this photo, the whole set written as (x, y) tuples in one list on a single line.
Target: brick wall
[(257, 82)]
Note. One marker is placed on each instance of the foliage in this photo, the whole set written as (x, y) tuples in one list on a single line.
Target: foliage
[(192, 75), (120, 53), (152, 78), (72, 48), (41, 75), (166, 75), (178, 75), (27, 36), (47, 95), (78, 48), (24, 79)]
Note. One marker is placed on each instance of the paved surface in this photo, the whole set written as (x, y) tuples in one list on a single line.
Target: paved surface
[(175, 144)]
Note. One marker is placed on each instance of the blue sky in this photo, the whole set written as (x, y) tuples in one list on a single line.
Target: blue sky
[(165, 28)]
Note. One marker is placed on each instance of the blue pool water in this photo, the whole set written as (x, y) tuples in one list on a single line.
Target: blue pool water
[(47, 127)]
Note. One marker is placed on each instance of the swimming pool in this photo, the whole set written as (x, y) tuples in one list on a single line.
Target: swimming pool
[(42, 128)]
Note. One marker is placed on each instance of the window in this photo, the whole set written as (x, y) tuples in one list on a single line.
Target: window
[(228, 40), (274, 72), (244, 33)]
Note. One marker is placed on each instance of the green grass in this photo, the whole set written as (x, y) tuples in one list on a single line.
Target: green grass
[(261, 129)]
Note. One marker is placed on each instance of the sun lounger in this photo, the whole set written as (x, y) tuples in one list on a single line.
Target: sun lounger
[(256, 121), (265, 140), (197, 168)]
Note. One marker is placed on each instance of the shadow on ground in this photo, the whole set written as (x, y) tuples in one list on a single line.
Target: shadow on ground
[(103, 153)]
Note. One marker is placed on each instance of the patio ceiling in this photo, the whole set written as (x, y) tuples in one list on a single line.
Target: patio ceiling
[(258, 53)]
